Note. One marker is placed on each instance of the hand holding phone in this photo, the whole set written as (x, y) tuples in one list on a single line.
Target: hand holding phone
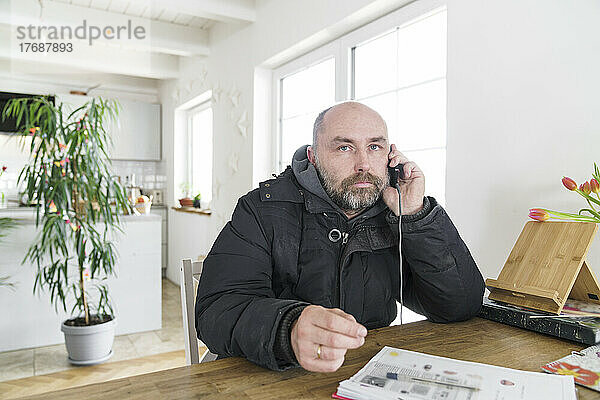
[(412, 180)]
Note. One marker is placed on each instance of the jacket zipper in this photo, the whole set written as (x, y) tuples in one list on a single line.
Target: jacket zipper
[(338, 286), (340, 267)]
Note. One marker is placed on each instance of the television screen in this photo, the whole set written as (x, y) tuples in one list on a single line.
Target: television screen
[(9, 125)]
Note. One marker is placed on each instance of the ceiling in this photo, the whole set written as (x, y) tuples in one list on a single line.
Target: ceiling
[(144, 9), (175, 29)]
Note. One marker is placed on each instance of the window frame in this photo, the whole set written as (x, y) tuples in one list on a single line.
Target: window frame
[(341, 49), (299, 64), (189, 138), (398, 19)]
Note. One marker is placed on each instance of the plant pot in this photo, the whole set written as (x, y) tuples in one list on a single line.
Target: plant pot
[(89, 345), (186, 202)]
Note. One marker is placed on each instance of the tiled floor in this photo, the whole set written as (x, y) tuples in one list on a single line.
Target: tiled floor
[(44, 360)]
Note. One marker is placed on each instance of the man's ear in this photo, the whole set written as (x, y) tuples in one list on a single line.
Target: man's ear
[(310, 153)]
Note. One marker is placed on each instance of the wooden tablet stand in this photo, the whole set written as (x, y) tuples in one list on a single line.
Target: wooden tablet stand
[(546, 266)]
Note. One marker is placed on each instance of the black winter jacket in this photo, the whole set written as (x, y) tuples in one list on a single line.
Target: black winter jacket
[(275, 254)]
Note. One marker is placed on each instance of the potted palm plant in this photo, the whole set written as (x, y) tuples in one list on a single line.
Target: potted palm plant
[(77, 215)]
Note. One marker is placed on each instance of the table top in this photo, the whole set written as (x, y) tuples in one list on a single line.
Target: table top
[(476, 340)]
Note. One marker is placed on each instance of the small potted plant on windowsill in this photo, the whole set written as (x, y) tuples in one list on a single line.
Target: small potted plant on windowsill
[(77, 216), (197, 200), (186, 200)]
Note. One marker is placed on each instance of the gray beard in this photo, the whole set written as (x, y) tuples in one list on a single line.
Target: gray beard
[(347, 196)]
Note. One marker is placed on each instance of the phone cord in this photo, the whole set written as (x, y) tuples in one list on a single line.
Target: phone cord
[(400, 249)]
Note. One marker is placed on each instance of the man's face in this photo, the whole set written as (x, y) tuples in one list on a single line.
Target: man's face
[(352, 156)]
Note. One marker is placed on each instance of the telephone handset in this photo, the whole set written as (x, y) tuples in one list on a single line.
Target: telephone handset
[(395, 173)]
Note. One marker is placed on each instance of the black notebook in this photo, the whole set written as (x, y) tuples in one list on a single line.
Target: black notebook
[(582, 329)]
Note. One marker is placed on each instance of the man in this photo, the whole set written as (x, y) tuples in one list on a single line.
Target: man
[(309, 260)]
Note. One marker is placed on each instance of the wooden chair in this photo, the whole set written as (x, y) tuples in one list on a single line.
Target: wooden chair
[(190, 276)]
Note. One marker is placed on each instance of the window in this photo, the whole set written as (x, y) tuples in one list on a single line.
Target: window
[(402, 75), (396, 65), (303, 95), (200, 152)]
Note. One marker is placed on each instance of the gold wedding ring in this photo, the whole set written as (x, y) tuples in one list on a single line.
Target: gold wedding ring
[(319, 352)]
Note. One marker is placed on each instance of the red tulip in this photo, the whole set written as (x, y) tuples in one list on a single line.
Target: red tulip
[(538, 214), (585, 187), (3, 168), (595, 186), (569, 183)]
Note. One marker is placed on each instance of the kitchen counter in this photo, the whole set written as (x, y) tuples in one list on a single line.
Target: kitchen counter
[(27, 215), (30, 320)]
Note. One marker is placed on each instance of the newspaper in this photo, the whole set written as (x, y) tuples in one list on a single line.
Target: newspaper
[(405, 375), (575, 307)]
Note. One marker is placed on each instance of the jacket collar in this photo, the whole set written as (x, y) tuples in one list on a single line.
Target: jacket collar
[(285, 187), (282, 188)]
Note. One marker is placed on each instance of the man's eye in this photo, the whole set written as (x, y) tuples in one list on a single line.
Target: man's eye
[(344, 148), (375, 147)]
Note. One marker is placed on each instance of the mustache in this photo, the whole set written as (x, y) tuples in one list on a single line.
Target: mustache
[(362, 177)]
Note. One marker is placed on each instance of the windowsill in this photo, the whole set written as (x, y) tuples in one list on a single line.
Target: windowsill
[(192, 210)]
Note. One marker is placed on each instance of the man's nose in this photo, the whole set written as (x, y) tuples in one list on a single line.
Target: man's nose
[(362, 162)]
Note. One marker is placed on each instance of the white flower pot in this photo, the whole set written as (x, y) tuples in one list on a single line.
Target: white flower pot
[(89, 345)]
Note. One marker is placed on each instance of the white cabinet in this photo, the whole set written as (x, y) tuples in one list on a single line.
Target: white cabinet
[(163, 212), (136, 135)]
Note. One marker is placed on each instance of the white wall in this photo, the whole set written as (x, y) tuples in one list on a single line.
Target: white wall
[(523, 88), (523, 102), (190, 235)]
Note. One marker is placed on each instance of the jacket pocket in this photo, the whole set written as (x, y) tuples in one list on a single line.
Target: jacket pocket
[(379, 305)]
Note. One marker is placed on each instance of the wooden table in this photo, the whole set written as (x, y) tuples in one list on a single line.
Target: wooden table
[(235, 378)]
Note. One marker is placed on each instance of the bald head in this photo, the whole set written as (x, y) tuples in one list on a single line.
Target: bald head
[(348, 114)]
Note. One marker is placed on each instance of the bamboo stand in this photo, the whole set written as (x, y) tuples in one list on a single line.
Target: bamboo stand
[(546, 266)]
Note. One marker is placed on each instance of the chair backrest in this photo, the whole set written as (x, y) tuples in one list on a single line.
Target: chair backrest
[(190, 275)]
